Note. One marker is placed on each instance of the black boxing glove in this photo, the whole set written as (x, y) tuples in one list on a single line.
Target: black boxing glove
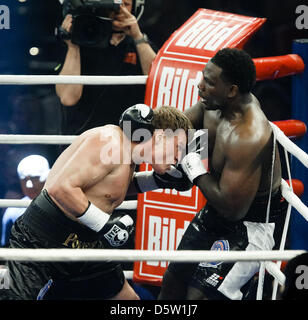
[(114, 229), (173, 178), (139, 116)]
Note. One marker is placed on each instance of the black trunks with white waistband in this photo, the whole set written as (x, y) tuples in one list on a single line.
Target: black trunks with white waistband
[(44, 225), (209, 231)]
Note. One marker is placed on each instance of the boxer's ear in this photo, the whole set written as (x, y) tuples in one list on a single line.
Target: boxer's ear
[(233, 91)]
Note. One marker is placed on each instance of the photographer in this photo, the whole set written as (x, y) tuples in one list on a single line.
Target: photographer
[(124, 51)]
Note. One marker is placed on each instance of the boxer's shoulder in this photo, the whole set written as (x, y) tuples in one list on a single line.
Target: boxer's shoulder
[(102, 135)]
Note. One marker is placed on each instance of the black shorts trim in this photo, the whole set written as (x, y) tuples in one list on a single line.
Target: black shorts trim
[(44, 225), (46, 220), (91, 287)]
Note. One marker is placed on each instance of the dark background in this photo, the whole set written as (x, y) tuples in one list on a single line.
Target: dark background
[(36, 109)]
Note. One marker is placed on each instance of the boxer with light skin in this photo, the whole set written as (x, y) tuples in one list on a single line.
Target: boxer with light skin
[(105, 185), (76, 207)]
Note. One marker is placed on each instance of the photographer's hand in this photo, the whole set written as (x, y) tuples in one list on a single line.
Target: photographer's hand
[(67, 25), (127, 23)]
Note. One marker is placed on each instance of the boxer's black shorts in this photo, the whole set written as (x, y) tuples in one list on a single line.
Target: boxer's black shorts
[(44, 225), (208, 231)]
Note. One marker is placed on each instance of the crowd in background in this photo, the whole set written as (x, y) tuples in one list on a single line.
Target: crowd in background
[(36, 109)]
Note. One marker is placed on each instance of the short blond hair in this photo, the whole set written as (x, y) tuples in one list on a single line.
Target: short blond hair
[(166, 117)]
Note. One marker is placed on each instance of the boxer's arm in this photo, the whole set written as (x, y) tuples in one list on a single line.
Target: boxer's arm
[(83, 170), (132, 190), (174, 178), (195, 114), (233, 191)]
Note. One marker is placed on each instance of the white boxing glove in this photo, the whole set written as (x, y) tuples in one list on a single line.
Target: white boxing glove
[(193, 166)]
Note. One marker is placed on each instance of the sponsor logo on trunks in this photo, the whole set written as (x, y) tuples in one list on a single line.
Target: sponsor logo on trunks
[(219, 245), (214, 279), (4, 17), (301, 21), (4, 278), (116, 236), (43, 291), (73, 242)]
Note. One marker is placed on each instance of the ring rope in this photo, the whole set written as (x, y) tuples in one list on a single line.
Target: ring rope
[(291, 147), (66, 79), (285, 227), (262, 267), (293, 199), (35, 139), (128, 255), (19, 203), (275, 271), (287, 193)]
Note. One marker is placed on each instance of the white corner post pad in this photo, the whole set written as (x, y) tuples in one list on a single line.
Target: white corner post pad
[(193, 166), (94, 218), (145, 181)]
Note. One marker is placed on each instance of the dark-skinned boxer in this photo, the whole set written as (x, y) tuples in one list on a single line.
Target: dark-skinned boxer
[(243, 176)]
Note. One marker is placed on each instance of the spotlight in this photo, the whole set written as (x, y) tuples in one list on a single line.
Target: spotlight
[(34, 51)]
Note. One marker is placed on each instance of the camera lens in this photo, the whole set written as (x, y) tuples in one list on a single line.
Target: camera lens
[(91, 31)]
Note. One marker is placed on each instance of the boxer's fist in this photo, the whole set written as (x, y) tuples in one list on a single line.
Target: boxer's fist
[(174, 178), (193, 166), (117, 231)]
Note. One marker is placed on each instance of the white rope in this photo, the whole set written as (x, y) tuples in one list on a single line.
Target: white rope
[(59, 79), (290, 146), (63, 139), (71, 255), (19, 203), (293, 199), (274, 270), (285, 227), (262, 265), (35, 139)]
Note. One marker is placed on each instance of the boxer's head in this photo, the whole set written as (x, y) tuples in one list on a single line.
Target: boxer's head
[(169, 138), (230, 73), (161, 133)]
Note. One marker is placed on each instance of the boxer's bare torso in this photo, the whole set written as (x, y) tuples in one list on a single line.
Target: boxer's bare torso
[(252, 128), (81, 172), (240, 150)]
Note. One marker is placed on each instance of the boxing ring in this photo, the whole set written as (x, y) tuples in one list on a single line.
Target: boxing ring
[(284, 131)]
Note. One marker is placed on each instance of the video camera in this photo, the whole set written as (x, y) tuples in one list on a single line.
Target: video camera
[(92, 25)]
